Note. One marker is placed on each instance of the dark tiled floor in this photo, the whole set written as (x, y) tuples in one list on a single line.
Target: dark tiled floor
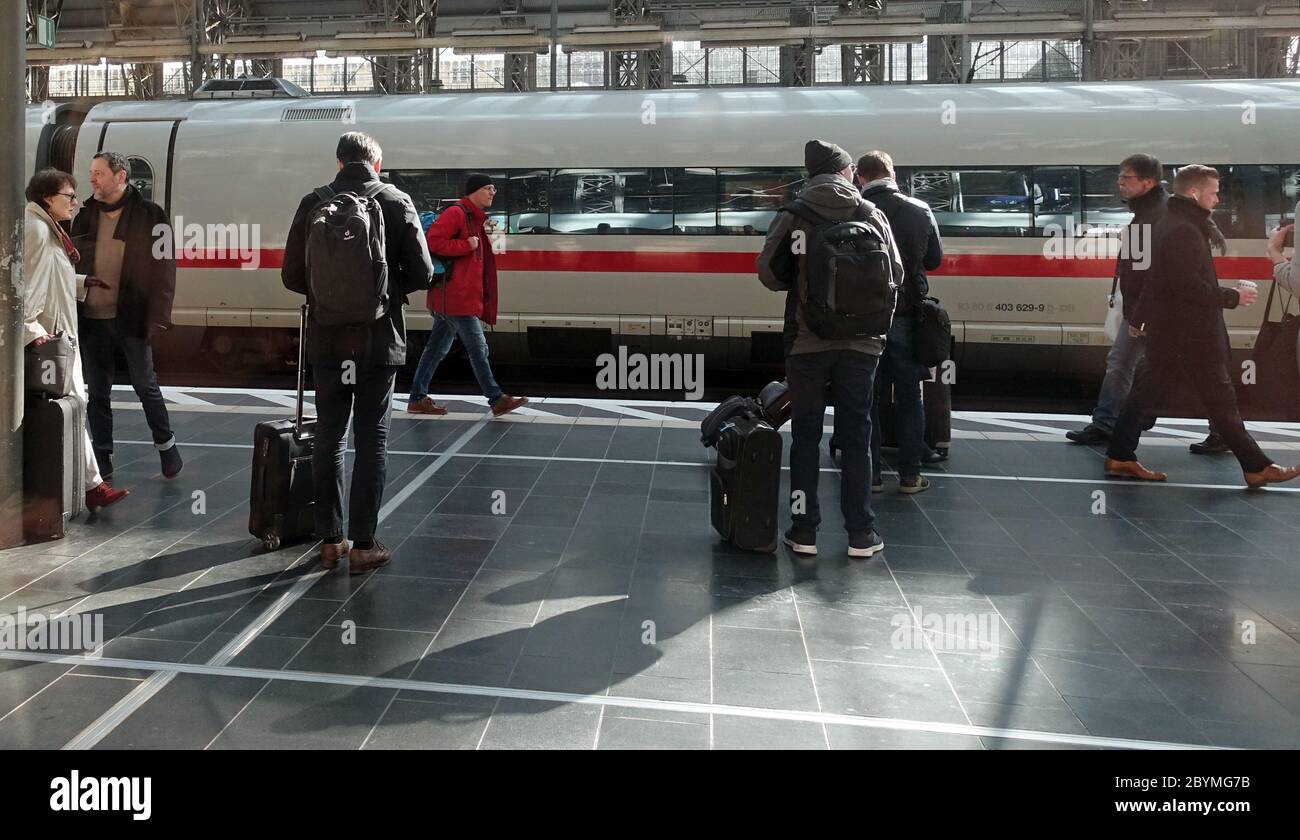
[(1174, 615)]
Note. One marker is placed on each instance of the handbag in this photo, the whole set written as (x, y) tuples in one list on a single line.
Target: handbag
[(1114, 311), (932, 337), (47, 368), (1275, 393)]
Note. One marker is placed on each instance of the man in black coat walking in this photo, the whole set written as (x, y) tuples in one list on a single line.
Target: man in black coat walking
[(1180, 311)]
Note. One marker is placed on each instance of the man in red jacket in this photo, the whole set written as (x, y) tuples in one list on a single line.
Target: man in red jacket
[(470, 296)]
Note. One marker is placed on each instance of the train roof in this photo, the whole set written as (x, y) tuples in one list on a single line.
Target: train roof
[(1218, 121)]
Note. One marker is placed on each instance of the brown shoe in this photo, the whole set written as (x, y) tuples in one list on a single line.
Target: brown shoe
[(102, 495), (425, 405), (506, 404), (1132, 469), (332, 552), (1272, 474), (362, 560)]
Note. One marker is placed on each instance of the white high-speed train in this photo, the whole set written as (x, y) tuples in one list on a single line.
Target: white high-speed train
[(633, 217)]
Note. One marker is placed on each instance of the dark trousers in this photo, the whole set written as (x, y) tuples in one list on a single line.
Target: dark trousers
[(100, 339), (1206, 366), (850, 375), (900, 370), (369, 402)]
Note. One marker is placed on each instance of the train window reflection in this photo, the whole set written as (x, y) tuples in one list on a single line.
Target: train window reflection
[(1242, 209), (141, 176), (1290, 177), (749, 198), (1058, 206), (434, 190), (695, 197), (975, 202), (529, 201), (627, 201), (1102, 204)]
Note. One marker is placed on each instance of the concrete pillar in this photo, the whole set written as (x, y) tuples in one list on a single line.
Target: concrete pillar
[(13, 62)]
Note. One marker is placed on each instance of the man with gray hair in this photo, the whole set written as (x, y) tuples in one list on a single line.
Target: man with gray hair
[(129, 290)]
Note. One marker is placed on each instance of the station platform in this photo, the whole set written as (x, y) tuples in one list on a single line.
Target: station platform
[(556, 584)]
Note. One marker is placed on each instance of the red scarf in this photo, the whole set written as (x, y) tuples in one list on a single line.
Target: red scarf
[(73, 253)]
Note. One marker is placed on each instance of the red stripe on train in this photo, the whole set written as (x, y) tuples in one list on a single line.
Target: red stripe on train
[(733, 262)]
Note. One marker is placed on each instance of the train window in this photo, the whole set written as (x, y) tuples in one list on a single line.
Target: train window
[(529, 201), (1102, 204), (748, 198), (598, 201), (1290, 178), (977, 201), (1243, 201), (695, 197), (434, 190), (141, 176), (1057, 201)]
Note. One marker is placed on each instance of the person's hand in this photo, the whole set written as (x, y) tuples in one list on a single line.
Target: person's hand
[(93, 282), (45, 339), (1246, 295), (473, 243), (1279, 236), (1134, 332)]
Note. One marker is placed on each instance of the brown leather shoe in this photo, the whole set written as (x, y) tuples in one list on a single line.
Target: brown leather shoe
[(332, 553), (507, 404), (1273, 474), (425, 405), (362, 560), (102, 495), (1132, 469)]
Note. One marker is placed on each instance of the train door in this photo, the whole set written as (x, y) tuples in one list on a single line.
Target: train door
[(147, 146)]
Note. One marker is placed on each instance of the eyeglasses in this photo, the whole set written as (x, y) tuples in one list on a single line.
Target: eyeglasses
[(71, 197), (1129, 178)]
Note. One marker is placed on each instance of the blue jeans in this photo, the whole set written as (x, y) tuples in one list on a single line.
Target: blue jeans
[(369, 402), (445, 330), (1121, 363), (850, 375), (899, 368)]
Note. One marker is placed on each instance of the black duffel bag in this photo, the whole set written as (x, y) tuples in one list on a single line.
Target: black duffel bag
[(932, 337)]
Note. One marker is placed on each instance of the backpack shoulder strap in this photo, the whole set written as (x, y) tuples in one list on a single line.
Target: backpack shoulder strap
[(324, 193), (373, 189)]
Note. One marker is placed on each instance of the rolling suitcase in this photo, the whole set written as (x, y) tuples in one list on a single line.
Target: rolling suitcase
[(282, 500), (936, 399), (54, 464), (745, 485)]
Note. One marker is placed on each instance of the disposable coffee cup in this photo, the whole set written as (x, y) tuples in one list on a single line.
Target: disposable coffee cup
[(1246, 284)]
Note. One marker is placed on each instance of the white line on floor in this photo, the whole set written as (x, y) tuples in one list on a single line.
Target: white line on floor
[(322, 678), (89, 737), (1101, 479)]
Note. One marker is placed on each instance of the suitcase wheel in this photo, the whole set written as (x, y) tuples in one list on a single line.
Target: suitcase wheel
[(271, 542)]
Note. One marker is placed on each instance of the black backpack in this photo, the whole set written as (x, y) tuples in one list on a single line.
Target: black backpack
[(850, 291), (347, 270)]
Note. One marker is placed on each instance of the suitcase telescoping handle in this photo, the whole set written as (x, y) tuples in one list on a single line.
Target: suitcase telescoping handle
[(302, 360)]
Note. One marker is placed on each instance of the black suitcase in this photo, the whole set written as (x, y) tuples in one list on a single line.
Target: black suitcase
[(936, 398), (745, 486), (54, 464), (282, 501)]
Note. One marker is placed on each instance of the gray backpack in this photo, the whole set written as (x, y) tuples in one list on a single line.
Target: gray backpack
[(347, 271)]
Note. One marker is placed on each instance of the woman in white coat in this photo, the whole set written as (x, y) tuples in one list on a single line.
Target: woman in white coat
[(51, 292), (1286, 273)]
